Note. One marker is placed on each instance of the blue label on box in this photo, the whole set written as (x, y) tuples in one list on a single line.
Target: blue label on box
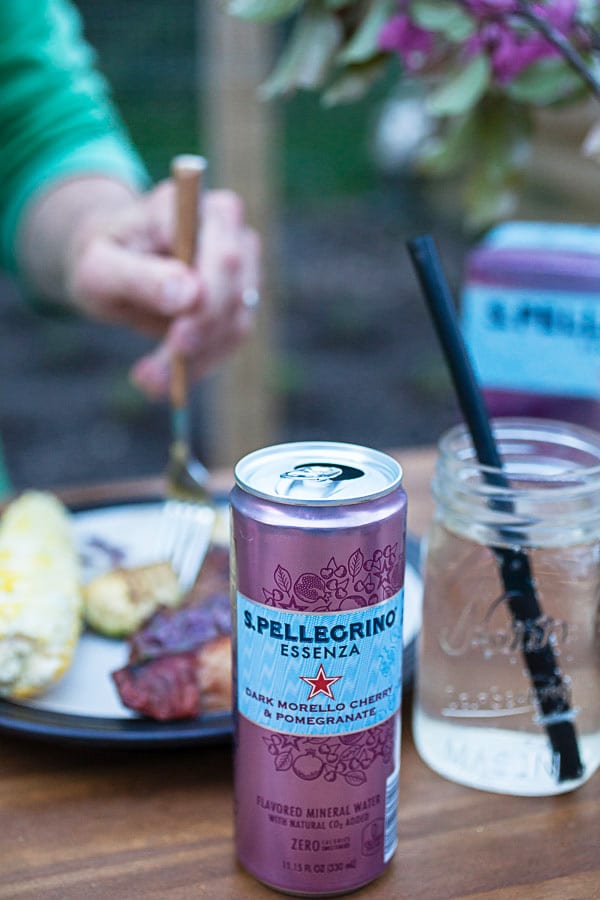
[(319, 673), (542, 341)]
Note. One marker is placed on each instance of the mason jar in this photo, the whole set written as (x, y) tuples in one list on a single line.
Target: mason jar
[(508, 683)]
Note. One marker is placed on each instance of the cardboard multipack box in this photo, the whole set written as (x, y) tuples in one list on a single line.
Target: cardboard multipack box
[(530, 313)]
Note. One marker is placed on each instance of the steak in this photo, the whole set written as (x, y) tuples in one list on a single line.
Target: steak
[(180, 659)]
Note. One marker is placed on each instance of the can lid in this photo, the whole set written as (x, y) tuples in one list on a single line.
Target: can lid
[(318, 473)]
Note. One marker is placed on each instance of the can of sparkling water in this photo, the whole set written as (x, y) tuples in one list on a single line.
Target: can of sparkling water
[(318, 549)]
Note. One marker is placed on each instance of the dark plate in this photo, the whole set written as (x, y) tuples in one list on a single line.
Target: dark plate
[(105, 732), (71, 712)]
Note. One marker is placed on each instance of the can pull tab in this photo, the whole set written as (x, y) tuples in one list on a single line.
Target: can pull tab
[(315, 479)]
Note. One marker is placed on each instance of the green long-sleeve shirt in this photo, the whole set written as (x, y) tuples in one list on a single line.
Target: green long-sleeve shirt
[(56, 118)]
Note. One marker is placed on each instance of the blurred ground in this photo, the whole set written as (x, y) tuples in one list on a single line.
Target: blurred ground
[(362, 360)]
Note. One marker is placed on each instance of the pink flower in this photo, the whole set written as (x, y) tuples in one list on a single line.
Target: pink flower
[(560, 13), (511, 49), (513, 56), (482, 9), (509, 53), (412, 43)]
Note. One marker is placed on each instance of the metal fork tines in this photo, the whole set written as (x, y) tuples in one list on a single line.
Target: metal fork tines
[(184, 538)]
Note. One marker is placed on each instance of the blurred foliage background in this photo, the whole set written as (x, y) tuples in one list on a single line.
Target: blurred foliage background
[(147, 49)]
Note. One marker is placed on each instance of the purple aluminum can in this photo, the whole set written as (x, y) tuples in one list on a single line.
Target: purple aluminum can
[(317, 583)]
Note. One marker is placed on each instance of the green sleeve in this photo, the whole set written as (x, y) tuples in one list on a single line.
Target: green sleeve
[(5, 486), (56, 118)]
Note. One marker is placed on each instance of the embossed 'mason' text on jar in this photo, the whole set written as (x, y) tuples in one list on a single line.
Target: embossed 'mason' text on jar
[(476, 716)]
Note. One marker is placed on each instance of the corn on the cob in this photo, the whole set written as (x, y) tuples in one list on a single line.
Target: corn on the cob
[(40, 594)]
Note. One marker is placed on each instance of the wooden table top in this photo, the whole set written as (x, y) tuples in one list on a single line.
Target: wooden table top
[(81, 823)]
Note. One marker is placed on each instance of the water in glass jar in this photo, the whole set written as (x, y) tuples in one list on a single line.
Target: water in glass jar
[(476, 719)]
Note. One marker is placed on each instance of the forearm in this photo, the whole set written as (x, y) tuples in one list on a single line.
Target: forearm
[(55, 227)]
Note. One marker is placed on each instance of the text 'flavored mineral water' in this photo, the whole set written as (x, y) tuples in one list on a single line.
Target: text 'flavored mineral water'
[(318, 541)]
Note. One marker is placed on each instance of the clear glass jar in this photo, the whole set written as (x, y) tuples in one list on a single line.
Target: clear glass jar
[(503, 697)]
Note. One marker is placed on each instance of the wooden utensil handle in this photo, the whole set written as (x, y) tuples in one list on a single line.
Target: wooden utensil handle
[(188, 174), (178, 381)]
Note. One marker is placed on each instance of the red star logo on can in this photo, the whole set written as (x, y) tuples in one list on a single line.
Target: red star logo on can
[(321, 684)]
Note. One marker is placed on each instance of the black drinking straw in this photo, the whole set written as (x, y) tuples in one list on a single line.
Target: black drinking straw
[(515, 570)]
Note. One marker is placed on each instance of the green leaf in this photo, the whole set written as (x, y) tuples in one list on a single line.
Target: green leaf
[(501, 153), (263, 10), (503, 135), (309, 54), (354, 82), (587, 12), (462, 90), (544, 82), (448, 152), (443, 16), (489, 149), (591, 143), (487, 202), (364, 43)]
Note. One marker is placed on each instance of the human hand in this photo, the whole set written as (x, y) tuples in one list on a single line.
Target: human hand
[(120, 269)]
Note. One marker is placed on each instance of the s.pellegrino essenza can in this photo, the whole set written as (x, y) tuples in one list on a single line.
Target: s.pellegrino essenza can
[(318, 541)]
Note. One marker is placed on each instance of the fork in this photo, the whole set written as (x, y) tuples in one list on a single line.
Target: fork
[(189, 511)]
